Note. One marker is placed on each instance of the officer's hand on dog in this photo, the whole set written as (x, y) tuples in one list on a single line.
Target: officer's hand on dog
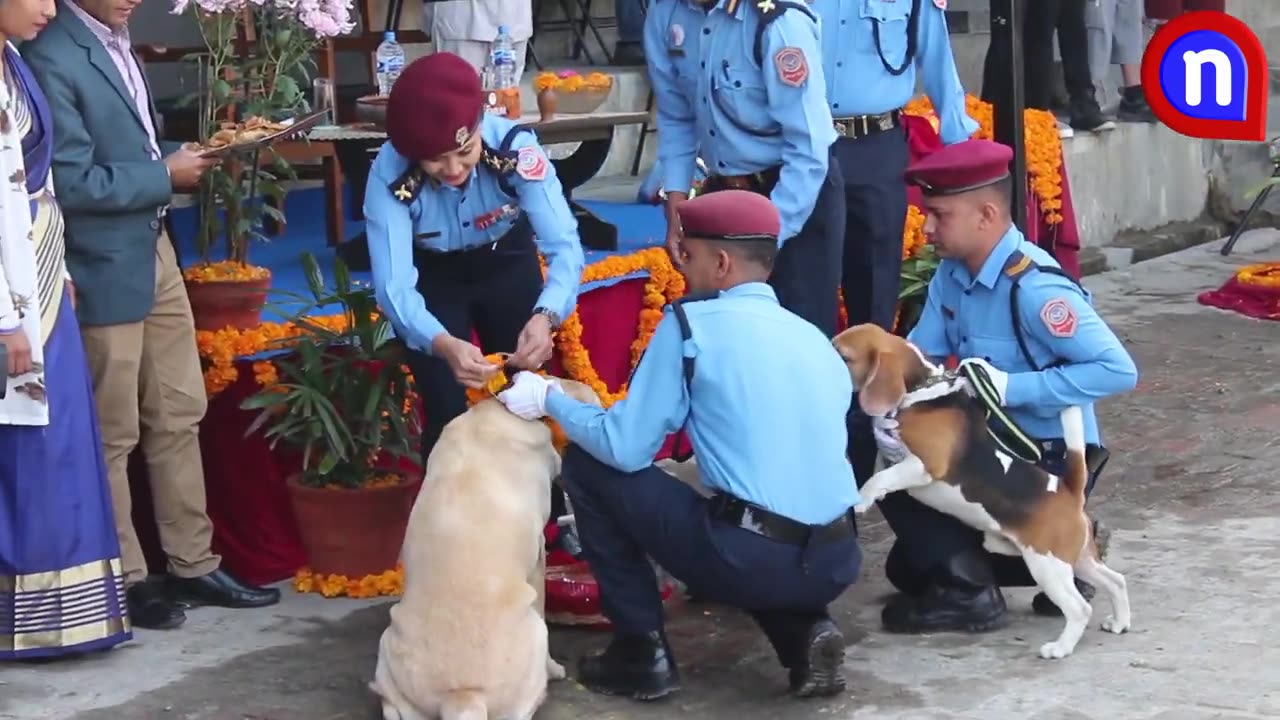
[(888, 440), (527, 396), (465, 360), (534, 347), (999, 378)]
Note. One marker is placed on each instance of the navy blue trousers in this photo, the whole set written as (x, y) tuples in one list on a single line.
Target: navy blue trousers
[(806, 273), (624, 519)]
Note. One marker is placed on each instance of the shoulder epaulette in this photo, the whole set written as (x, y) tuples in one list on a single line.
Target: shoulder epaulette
[(1019, 264), (502, 162), (771, 10), (408, 186)]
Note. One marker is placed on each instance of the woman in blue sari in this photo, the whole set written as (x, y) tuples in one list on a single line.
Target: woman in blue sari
[(61, 584)]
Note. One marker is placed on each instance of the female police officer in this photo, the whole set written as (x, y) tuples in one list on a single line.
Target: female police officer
[(454, 202)]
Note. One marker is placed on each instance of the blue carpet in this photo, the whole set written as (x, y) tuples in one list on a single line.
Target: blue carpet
[(639, 226)]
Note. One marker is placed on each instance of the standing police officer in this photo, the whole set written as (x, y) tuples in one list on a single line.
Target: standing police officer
[(741, 83), (871, 51), (454, 202), (1004, 304), (764, 396)]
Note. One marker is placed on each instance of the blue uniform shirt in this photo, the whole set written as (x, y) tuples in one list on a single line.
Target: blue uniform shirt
[(766, 414), (743, 117), (971, 317), (858, 82), (446, 218)]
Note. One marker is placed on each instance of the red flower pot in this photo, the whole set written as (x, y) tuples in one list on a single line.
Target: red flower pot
[(218, 304), (353, 532)]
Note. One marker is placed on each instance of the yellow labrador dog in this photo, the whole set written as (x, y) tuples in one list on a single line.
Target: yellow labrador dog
[(468, 641)]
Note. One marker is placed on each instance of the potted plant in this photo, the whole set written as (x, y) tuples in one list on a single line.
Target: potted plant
[(240, 79), (917, 270), (343, 404)]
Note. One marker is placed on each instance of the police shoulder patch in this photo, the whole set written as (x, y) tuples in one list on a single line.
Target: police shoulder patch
[(1059, 317), (793, 68), (531, 163)]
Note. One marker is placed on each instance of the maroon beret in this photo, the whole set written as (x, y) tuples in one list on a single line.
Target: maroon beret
[(435, 106), (961, 167), (729, 215)]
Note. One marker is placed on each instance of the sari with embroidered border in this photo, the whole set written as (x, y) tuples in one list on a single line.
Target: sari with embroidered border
[(61, 582)]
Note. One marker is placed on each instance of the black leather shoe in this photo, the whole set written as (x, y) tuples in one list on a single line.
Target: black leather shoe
[(150, 608), (962, 597), (1042, 605), (818, 673), (220, 589), (636, 666)]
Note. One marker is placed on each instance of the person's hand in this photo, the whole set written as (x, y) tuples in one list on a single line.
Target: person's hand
[(465, 360), (527, 396), (999, 378), (19, 351), (889, 440), (186, 166), (534, 347), (71, 293)]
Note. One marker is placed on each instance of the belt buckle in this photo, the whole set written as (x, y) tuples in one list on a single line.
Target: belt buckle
[(866, 127), (886, 121), (842, 128)]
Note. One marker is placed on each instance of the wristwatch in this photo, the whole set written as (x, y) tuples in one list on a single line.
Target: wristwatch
[(551, 315)]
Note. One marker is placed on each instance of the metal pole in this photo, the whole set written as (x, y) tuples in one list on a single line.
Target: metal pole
[(1006, 29)]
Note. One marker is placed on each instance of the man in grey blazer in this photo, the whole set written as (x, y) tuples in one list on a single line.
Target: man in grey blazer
[(114, 180)]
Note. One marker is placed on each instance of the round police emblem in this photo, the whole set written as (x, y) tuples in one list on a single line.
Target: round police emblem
[(677, 35)]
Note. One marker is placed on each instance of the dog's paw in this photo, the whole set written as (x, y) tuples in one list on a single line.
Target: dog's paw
[(1115, 625), (863, 506), (555, 671), (1055, 650)]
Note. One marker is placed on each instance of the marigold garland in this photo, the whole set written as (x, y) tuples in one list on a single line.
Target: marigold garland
[(1266, 275), (1043, 145), (497, 382), (389, 583), (225, 271)]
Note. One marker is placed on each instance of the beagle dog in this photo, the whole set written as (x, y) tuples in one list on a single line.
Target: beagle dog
[(954, 466)]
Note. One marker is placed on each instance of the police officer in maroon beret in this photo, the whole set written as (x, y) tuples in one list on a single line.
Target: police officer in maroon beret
[(763, 396), (458, 204), (1004, 305)]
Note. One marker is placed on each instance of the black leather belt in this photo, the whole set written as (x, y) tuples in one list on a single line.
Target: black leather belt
[(863, 125), (761, 182), (766, 523)]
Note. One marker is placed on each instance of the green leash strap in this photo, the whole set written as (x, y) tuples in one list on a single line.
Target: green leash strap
[(1003, 430)]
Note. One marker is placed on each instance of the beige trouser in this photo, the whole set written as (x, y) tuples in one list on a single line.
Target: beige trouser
[(149, 387)]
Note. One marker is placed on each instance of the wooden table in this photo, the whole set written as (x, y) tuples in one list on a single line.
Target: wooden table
[(355, 146)]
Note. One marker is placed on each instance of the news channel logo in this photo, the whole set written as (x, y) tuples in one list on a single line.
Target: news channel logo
[(1205, 76)]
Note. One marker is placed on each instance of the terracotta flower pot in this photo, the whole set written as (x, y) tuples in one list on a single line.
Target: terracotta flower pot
[(217, 304), (353, 532)]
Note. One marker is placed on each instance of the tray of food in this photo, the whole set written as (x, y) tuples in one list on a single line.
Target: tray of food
[(256, 132)]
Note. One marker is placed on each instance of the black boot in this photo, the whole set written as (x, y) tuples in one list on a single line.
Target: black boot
[(636, 666), (817, 672), (1042, 605), (962, 597)]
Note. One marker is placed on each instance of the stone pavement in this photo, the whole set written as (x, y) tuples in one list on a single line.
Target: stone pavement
[(1190, 494)]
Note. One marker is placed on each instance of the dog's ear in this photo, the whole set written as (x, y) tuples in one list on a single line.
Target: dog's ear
[(884, 387)]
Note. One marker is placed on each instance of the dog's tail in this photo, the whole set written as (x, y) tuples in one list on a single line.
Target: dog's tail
[(1076, 477), (464, 705)]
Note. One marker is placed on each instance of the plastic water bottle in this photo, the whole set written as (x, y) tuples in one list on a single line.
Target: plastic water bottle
[(502, 57), (390, 60)]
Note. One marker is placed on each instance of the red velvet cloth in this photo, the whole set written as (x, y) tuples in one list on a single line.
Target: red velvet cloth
[(1262, 303), (1170, 9), (253, 525), (1061, 240)]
